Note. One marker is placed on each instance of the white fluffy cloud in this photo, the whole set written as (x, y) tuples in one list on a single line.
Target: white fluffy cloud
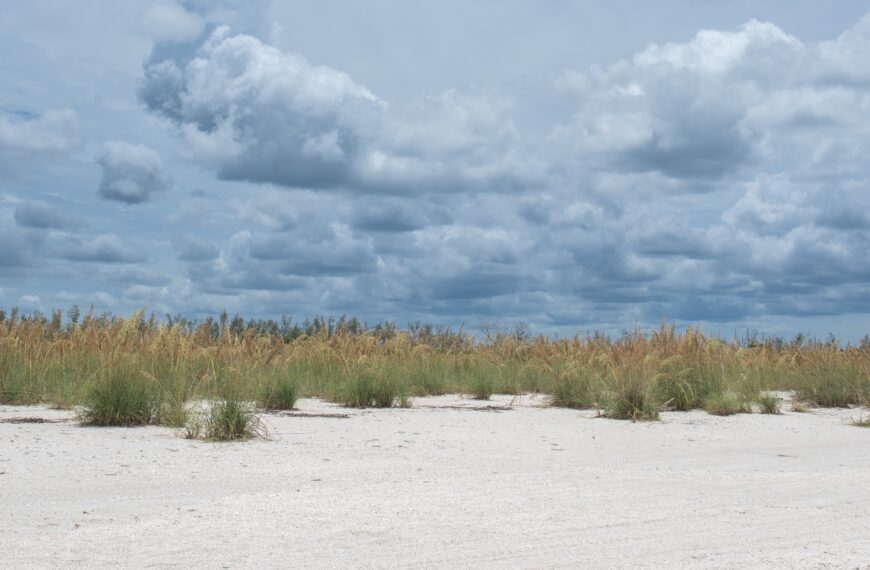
[(258, 114), (131, 172)]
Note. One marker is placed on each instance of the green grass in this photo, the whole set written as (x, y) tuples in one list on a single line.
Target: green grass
[(481, 378), (121, 398), (279, 393), (727, 403), (370, 387), (770, 403), (227, 420), (574, 387), (131, 371)]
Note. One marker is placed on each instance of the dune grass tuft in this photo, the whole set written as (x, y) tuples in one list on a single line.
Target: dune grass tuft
[(279, 393), (370, 387), (229, 419), (727, 403), (770, 403), (120, 398)]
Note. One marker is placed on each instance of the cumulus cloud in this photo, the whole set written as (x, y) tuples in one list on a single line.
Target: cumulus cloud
[(131, 173), (255, 113), (711, 108)]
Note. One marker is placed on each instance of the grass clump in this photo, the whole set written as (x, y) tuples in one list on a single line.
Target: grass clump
[(372, 388), (573, 387), (828, 380), (120, 399), (630, 396), (229, 419), (481, 379), (279, 393), (636, 407), (770, 403), (727, 403)]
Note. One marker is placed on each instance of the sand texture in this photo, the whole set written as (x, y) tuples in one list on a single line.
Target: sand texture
[(451, 483)]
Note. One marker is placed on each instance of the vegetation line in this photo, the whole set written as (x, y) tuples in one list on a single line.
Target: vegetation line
[(133, 371)]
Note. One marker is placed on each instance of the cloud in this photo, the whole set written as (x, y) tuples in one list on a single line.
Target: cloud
[(55, 130), (131, 173), (105, 248), (720, 106), (388, 216), (30, 303), (41, 215), (252, 112), (723, 178), (171, 22), (193, 248)]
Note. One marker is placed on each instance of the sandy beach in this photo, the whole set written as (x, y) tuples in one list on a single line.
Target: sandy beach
[(449, 483)]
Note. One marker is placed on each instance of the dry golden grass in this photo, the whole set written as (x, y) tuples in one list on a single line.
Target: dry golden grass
[(636, 376)]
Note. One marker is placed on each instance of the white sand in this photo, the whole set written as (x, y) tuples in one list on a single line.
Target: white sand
[(439, 487)]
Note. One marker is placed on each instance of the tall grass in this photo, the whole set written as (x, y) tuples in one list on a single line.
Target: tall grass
[(143, 370)]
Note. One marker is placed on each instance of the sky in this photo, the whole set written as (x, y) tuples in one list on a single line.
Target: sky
[(576, 166)]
